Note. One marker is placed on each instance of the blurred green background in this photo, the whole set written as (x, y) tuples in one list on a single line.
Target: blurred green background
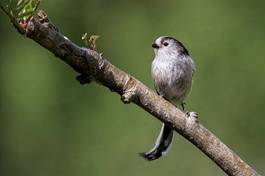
[(51, 125)]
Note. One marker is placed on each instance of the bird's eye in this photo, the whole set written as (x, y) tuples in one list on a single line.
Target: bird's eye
[(165, 43)]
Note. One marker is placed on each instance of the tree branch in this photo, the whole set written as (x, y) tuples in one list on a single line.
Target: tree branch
[(91, 65)]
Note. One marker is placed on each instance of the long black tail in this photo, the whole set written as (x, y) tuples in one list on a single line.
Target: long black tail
[(162, 144)]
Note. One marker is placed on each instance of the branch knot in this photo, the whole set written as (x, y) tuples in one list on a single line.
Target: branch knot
[(129, 94)]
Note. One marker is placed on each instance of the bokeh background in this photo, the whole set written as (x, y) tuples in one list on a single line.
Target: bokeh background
[(51, 125)]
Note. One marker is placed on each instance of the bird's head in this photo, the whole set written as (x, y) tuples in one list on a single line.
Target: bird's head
[(166, 45)]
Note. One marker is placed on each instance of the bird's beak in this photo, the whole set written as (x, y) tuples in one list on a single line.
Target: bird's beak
[(154, 45)]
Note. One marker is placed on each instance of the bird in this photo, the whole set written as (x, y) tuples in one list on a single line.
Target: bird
[(172, 72)]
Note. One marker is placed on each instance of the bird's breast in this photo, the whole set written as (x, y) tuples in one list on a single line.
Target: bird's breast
[(172, 79)]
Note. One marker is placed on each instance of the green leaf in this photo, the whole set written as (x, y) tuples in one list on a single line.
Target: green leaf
[(21, 9), (90, 42)]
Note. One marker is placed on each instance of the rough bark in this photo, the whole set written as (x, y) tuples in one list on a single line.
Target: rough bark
[(91, 65)]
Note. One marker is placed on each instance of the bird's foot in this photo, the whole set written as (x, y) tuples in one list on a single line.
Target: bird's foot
[(192, 115), (183, 104)]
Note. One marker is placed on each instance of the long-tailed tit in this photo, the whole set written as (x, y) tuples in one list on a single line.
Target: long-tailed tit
[(172, 73)]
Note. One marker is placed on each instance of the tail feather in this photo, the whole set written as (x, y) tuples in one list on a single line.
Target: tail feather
[(162, 145)]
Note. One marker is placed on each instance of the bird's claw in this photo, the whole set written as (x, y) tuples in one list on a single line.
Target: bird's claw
[(183, 106), (192, 114)]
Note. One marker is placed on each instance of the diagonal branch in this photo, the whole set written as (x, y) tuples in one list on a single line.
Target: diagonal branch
[(91, 65)]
